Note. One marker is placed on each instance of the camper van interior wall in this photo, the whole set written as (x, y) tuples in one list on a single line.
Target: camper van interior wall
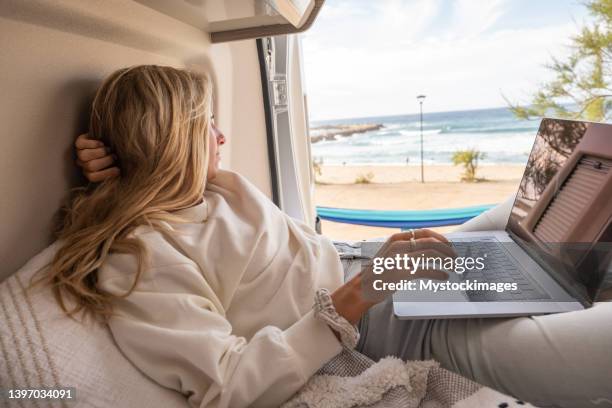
[(221, 204)]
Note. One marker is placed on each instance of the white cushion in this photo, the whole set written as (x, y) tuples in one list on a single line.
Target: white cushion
[(41, 347), (494, 219)]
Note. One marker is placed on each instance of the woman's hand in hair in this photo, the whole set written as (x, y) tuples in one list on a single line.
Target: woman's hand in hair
[(95, 159), (356, 296)]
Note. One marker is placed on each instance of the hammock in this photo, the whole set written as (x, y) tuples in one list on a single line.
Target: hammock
[(403, 219)]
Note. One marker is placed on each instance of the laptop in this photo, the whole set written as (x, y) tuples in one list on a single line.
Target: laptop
[(554, 252)]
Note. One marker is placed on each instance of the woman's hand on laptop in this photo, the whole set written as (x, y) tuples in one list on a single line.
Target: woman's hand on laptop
[(95, 159), (356, 296)]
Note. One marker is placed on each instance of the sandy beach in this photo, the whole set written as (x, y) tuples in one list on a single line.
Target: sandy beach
[(399, 188)]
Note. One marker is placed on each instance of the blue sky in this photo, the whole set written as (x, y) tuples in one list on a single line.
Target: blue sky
[(371, 58)]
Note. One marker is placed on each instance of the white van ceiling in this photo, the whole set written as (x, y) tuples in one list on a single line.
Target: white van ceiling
[(218, 15), (230, 20)]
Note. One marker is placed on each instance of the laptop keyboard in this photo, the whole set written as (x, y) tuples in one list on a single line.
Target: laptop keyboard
[(499, 267)]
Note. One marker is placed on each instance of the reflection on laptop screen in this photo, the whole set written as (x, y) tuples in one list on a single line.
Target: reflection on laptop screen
[(563, 205)]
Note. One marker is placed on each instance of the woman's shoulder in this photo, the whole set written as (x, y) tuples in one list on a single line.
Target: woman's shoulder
[(234, 193), (160, 253), (234, 183)]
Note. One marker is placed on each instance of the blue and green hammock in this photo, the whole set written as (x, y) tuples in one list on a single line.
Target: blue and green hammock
[(403, 219)]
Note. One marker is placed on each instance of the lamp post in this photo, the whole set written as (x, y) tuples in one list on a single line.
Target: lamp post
[(420, 98)]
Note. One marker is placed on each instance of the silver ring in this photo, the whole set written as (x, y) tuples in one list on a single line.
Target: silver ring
[(412, 233), (413, 243)]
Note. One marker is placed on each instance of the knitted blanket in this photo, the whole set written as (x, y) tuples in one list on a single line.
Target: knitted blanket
[(352, 380)]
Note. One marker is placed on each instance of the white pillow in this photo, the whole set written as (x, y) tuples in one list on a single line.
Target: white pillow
[(41, 347)]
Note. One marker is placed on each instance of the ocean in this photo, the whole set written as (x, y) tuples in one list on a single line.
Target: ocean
[(496, 132)]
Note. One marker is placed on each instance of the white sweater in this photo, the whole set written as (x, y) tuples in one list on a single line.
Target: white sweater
[(223, 312)]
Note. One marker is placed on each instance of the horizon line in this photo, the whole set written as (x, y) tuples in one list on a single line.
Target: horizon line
[(407, 114)]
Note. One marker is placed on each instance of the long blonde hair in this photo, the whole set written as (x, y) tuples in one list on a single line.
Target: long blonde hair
[(156, 120)]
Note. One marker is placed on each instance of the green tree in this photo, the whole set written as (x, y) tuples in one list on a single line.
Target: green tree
[(364, 178), (469, 160), (584, 78)]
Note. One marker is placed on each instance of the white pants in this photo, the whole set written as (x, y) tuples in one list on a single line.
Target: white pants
[(560, 360)]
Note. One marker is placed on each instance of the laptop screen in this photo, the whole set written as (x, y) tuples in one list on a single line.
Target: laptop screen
[(562, 212)]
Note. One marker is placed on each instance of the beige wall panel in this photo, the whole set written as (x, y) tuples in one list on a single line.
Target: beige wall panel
[(51, 61), (241, 113), (48, 78)]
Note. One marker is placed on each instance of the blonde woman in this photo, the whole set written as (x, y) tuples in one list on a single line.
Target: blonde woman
[(209, 288), (206, 285)]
